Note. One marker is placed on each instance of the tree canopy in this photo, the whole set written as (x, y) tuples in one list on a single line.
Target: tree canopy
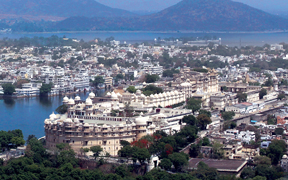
[(8, 89), (151, 78), (45, 89), (194, 104)]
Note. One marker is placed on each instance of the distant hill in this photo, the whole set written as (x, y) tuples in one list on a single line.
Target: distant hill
[(200, 15), (57, 9), (215, 15)]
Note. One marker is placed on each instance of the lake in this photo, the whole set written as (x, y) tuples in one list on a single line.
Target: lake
[(28, 114), (230, 39)]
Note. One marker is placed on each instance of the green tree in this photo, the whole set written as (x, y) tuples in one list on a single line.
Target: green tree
[(8, 89), (151, 78), (268, 83), (141, 154), (165, 164), (96, 150), (242, 97), (264, 160), (45, 89), (98, 80), (228, 115), (151, 89), (179, 160), (276, 150), (203, 121), (194, 150), (131, 89), (281, 96), (217, 151), (224, 88), (121, 171), (279, 131), (62, 109), (262, 93), (208, 113), (194, 104), (247, 173), (124, 143), (205, 172), (190, 119), (17, 141)]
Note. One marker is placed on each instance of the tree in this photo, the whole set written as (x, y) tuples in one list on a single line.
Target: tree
[(276, 150), (194, 104), (141, 154), (98, 80), (31, 136), (268, 83), (242, 97), (121, 171), (247, 173), (205, 172), (151, 78), (17, 141), (279, 131), (203, 121), (8, 89), (179, 160), (151, 89), (165, 164), (19, 83), (271, 120), (217, 151), (208, 113), (96, 150), (228, 115), (131, 89), (190, 119), (281, 96), (265, 171), (264, 160), (194, 150), (124, 143), (62, 109), (262, 93), (45, 89), (224, 88)]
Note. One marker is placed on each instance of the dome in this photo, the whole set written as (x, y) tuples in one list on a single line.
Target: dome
[(141, 120), (92, 95), (168, 94), (172, 93), (164, 94), (152, 96), (76, 120), (52, 116), (284, 156), (119, 95), (114, 95), (152, 126), (144, 83), (88, 102), (138, 92), (104, 126), (55, 122), (108, 94), (160, 95), (121, 125), (47, 121), (65, 99), (77, 98), (176, 92), (68, 120), (142, 95), (71, 102), (86, 125), (133, 124), (156, 96)]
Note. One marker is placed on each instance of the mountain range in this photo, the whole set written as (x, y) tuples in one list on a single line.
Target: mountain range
[(191, 15)]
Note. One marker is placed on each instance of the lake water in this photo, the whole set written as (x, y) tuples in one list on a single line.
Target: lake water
[(28, 114), (231, 39)]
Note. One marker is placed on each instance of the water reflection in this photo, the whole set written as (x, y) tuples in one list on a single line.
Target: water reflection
[(9, 102), (45, 101)]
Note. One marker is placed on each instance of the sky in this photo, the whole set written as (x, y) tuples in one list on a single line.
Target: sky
[(157, 5)]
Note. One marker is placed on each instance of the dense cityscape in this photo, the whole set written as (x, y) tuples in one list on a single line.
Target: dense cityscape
[(172, 109)]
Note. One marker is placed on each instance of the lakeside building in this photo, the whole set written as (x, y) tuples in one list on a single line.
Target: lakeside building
[(88, 124)]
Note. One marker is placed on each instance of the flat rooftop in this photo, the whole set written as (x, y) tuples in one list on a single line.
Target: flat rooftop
[(220, 165)]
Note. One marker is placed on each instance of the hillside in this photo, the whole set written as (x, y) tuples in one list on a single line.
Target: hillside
[(200, 15), (213, 15), (57, 9)]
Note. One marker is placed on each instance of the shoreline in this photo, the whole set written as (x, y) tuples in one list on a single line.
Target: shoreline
[(163, 32), (23, 96)]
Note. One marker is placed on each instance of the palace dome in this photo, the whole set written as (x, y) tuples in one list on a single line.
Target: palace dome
[(77, 98), (65, 99), (71, 102), (89, 102), (92, 95)]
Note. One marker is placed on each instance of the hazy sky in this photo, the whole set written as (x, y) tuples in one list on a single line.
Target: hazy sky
[(155, 5)]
